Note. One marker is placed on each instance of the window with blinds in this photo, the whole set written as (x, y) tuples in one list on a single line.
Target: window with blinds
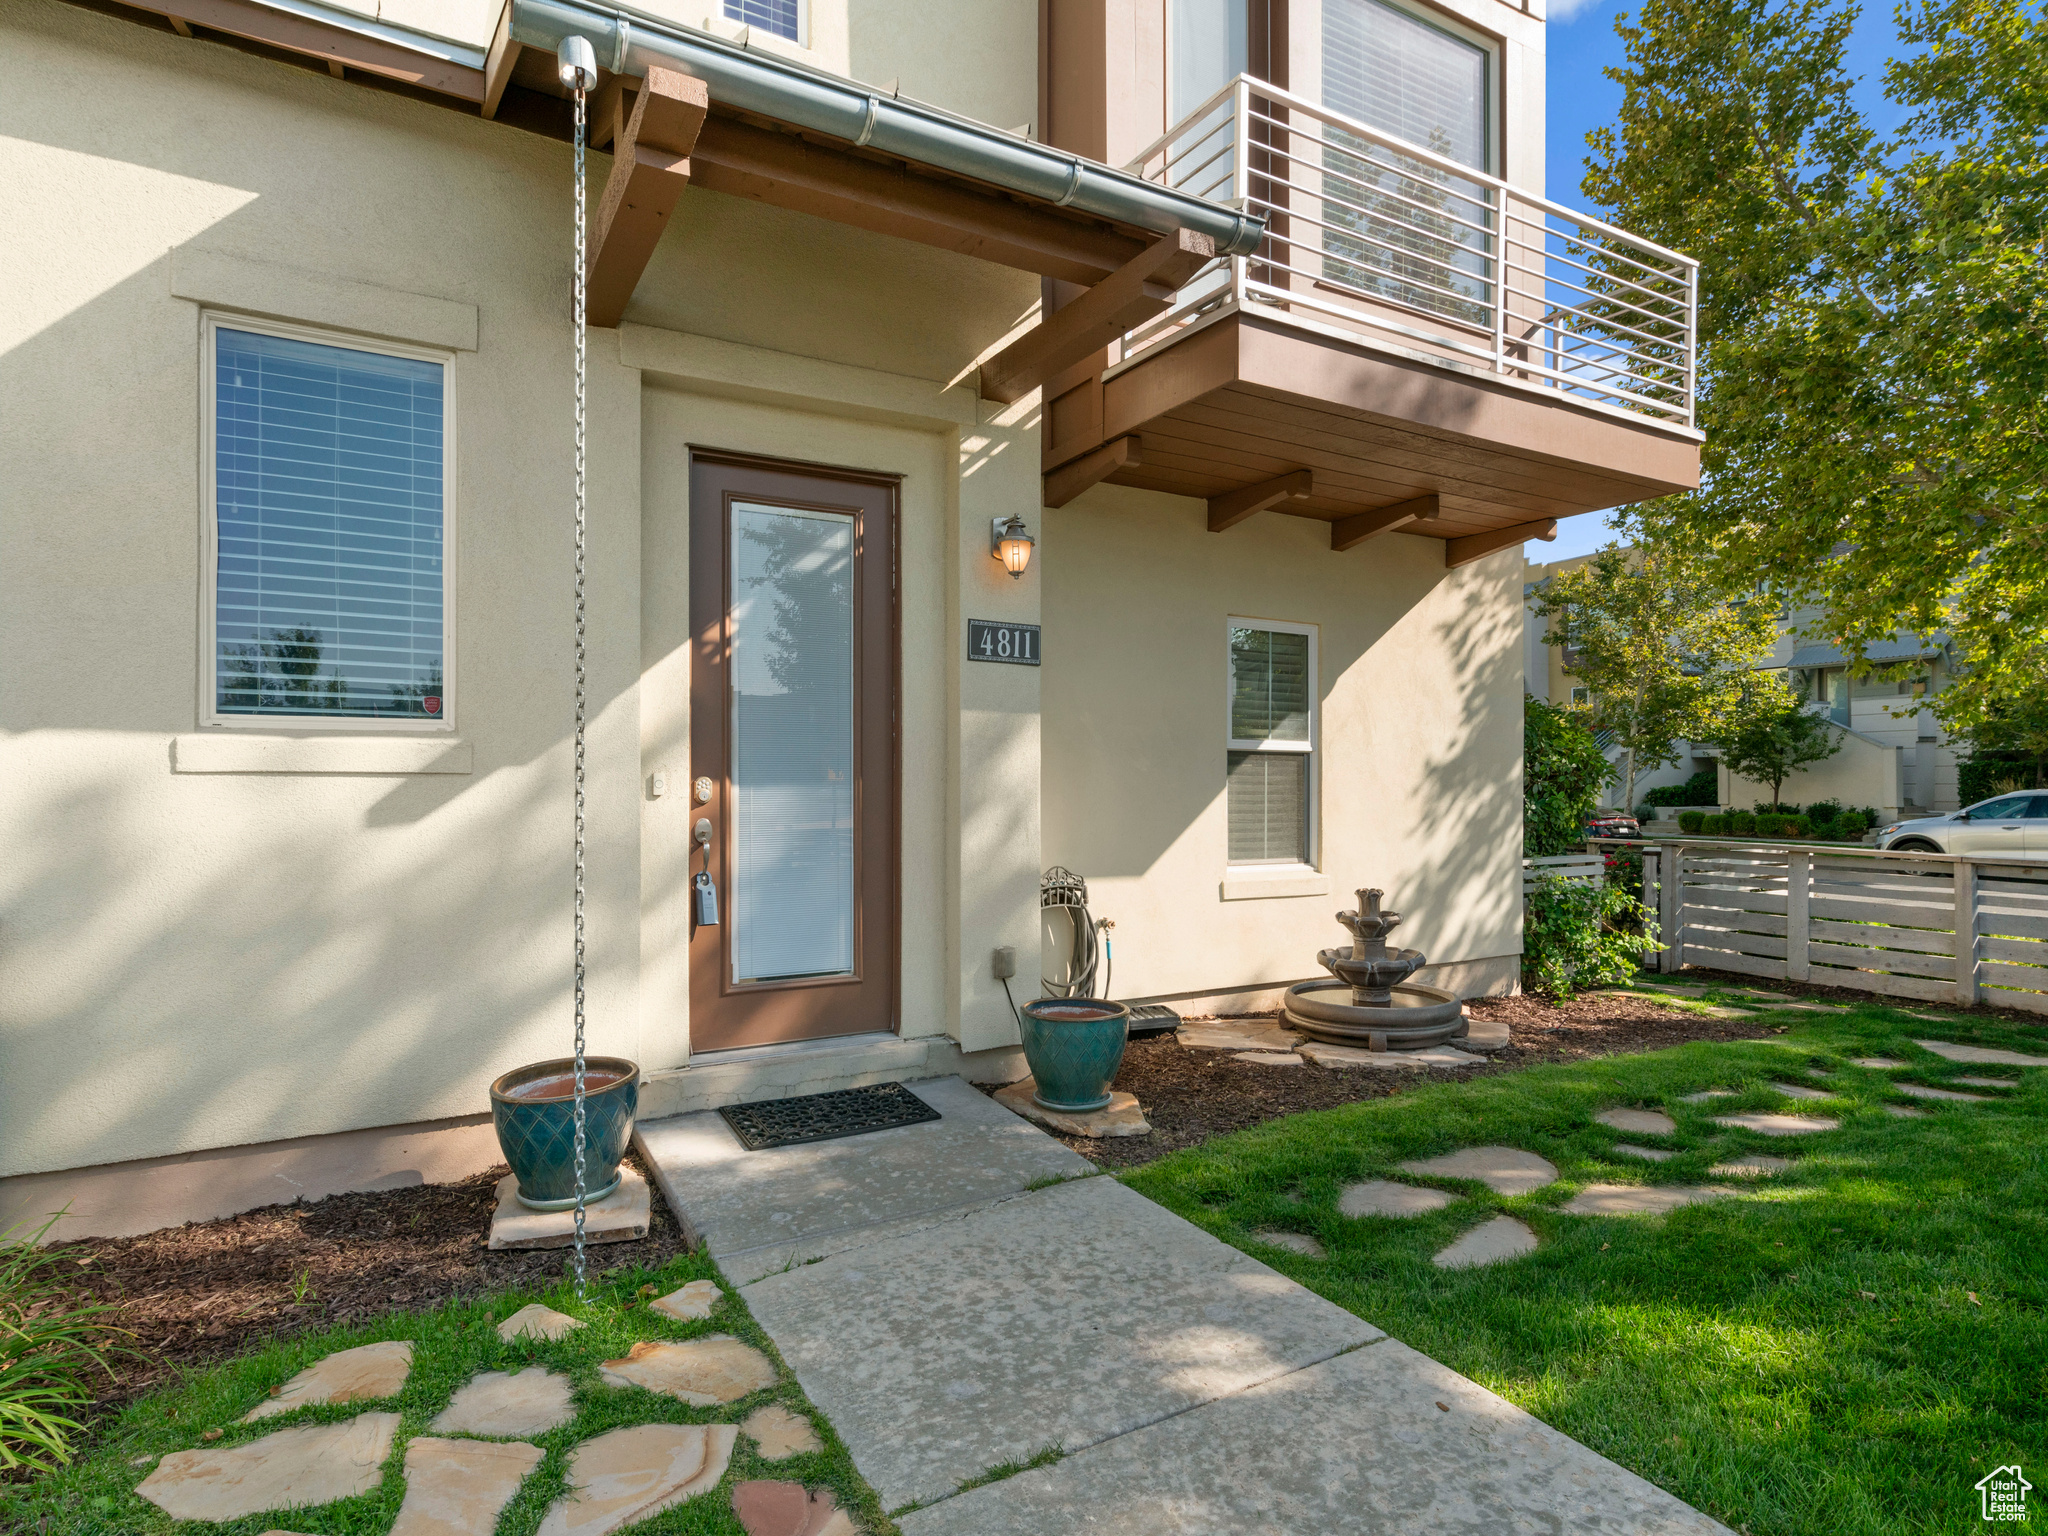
[(784, 18), (329, 571), (1270, 757), (1395, 228)]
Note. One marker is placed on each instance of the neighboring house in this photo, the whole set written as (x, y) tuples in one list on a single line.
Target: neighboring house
[(287, 656), (1895, 758)]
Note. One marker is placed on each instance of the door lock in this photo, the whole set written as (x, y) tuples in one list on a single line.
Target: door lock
[(703, 832), (702, 790)]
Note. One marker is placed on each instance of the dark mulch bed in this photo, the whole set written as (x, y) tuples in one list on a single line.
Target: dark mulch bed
[(208, 1290), (1190, 1094)]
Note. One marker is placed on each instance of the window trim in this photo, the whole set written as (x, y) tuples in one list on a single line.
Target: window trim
[(210, 718), (1310, 749), (803, 24)]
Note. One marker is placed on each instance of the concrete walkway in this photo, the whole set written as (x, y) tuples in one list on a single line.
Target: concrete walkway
[(953, 1320)]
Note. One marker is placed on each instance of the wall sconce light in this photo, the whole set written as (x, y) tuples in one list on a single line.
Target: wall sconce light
[(1009, 543)]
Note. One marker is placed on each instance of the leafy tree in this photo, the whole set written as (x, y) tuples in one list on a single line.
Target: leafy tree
[(1563, 769), (2007, 732), (1775, 738), (1663, 653), (1873, 311)]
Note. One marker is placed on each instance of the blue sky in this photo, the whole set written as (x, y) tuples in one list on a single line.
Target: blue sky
[(1582, 42)]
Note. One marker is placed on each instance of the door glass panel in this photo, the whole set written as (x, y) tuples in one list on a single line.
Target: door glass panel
[(792, 743)]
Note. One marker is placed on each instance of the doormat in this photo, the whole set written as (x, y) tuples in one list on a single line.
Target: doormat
[(824, 1116)]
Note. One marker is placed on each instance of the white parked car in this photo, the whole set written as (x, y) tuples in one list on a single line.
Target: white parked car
[(2015, 823)]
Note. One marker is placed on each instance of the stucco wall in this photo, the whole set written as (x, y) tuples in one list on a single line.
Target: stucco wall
[(1421, 684)]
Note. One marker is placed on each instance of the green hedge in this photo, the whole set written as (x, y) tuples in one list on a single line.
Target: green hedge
[(1689, 821), (1703, 788)]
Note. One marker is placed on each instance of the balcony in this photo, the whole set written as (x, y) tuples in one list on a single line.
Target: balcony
[(1416, 345)]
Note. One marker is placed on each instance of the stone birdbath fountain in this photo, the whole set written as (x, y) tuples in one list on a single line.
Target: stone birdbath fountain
[(1384, 1010)]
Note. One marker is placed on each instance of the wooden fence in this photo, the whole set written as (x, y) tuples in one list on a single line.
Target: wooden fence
[(1590, 867), (1937, 928)]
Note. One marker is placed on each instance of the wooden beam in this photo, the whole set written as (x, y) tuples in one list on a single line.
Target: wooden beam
[(1070, 480), (499, 61), (1127, 298), (259, 23), (1349, 532), (610, 108), (180, 25), (779, 168), (1233, 507), (650, 169), (1477, 546)]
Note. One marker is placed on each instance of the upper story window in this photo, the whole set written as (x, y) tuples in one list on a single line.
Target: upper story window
[(1270, 762), (1409, 77), (784, 18), (1207, 46), (327, 480)]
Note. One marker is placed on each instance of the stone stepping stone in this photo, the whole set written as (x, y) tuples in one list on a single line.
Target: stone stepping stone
[(1483, 1035), (1922, 1091), (1269, 1058), (790, 1509), (1901, 1112), (1778, 1125), (1645, 1122), (1818, 1072), (1384, 1197), (1980, 1055), (691, 1304), (1638, 1199), (1122, 1116), (346, 1376), (1654, 1154), (1709, 1093), (286, 1469), (630, 1475), (1488, 1243), (1806, 1008), (534, 1321), (1504, 1170), (703, 1372), (778, 1432), (1987, 1082), (1878, 1063), (459, 1487), (1237, 1035), (1391, 1061), (1800, 1091), (1682, 988), (528, 1402), (1294, 1242), (1755, 1165)]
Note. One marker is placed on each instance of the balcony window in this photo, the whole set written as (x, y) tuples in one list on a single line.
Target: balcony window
[(1396, 228), (1207, 46)]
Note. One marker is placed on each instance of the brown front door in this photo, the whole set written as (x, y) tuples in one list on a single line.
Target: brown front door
[(793, 731)]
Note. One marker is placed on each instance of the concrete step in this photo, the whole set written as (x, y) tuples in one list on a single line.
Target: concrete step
[(717, 1078)]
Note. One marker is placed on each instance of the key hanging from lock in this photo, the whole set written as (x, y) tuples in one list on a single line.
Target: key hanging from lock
[(707, 902)]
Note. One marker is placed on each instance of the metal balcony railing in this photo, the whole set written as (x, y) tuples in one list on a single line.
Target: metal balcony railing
[(1369, 235)]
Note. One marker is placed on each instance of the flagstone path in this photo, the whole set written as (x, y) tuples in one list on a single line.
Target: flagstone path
[(1980, 1055), (514, 1405), (459, 1487), (779, 1434), (348, 1376), (286, 1469), (1383, 1197), (1488, 1243), (1653, 1122)]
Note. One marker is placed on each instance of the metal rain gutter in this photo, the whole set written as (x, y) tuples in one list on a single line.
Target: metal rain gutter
[(627, 44)]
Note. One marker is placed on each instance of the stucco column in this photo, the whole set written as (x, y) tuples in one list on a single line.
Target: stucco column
[(993, 775)]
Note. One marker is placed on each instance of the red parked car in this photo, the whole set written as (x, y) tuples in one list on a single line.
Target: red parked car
[(1613, 824)]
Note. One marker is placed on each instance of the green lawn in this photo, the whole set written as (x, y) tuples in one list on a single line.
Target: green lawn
[(1846, 1350), (451, 1344)]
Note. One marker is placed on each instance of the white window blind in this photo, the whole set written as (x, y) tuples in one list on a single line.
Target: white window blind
[(1269, 786), (792, 743), (328, 535), (1405, 77)]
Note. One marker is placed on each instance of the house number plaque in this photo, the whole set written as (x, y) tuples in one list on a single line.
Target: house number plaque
[(993, 640)]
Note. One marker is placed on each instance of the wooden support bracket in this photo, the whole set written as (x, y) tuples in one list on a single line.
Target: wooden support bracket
[(1477, 546), (499, 61), (1126, 299), (1233, 507), (650, 169), (1070, 480), (1349, 532)]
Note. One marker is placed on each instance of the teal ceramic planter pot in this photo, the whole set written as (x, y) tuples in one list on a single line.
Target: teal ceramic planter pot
[(1074, 1046), (534, 1111)]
